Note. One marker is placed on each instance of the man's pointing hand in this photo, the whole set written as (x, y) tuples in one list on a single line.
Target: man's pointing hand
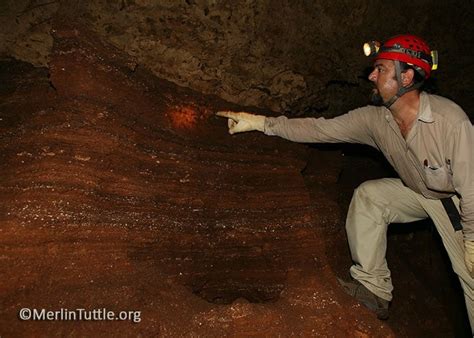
[(240, 122)]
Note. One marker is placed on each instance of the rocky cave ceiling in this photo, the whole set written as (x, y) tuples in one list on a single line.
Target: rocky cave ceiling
[(297, 57)]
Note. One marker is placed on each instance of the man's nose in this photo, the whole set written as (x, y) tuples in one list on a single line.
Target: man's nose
[(373, 75)]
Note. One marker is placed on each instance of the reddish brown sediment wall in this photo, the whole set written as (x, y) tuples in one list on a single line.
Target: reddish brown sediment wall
[(123, 192)]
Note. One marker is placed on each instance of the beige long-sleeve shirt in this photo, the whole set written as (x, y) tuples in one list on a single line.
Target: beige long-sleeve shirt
[(436, 159)]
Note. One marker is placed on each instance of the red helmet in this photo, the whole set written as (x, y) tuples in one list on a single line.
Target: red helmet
[(410, 49)]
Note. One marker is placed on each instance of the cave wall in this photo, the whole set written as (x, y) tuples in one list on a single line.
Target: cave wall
[(120, 191), (299, 57)]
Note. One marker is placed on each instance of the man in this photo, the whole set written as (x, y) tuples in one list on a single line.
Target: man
[(428, 140)]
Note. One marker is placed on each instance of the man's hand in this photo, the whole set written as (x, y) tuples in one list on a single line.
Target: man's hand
[(469, 256), (240, 122)]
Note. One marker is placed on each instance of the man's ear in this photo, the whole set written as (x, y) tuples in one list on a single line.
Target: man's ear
[(407, 77)]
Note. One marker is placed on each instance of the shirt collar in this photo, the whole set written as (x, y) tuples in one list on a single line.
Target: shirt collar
[(424, 112)]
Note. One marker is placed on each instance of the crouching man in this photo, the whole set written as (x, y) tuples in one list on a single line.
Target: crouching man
[(429, 141)]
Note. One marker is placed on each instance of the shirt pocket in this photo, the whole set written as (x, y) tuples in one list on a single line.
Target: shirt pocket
[(438, 178)]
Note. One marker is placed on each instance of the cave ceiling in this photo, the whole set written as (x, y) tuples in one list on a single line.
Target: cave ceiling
[(294, 57)]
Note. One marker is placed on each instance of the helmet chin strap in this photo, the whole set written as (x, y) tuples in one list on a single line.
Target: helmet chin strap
[(401, 90)]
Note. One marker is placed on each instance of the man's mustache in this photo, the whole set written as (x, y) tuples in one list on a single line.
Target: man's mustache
[(375, 98)]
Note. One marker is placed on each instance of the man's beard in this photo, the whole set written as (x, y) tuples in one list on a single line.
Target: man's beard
[(375, 98)]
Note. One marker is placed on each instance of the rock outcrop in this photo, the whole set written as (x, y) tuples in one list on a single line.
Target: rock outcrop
[(294, 57)]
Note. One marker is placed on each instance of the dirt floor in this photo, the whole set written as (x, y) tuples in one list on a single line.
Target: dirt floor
[(123, 192)]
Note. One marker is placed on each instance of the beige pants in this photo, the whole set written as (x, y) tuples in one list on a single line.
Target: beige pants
[(377, 203)]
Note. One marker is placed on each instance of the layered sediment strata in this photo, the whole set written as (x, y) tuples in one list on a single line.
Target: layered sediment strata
[(123, 192)]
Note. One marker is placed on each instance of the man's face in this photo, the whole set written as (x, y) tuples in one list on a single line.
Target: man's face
[(385, 81)]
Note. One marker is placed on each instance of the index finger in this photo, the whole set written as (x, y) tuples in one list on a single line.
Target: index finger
[(228, 114)]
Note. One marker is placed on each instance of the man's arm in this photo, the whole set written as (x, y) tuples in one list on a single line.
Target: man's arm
[(462, 166), (353, 127)]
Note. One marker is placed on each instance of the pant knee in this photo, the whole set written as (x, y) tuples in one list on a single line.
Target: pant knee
[(368, 189), (368, 205)]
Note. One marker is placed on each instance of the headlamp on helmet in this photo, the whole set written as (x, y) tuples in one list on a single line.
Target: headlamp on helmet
[(371, 48)]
